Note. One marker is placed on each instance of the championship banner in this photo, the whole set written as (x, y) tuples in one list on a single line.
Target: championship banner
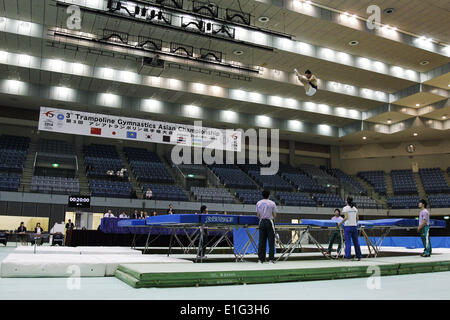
[(116, 127)]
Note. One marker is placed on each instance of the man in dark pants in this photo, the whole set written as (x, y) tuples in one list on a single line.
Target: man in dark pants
[(336, 234), (266, 211)]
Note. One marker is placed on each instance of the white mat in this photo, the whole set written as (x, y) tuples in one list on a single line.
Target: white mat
[(51, 265), (113, 261), (76, 250), (109, 250), (64, 265), (46, 250)]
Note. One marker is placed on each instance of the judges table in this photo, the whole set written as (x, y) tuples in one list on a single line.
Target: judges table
[(194, 227)]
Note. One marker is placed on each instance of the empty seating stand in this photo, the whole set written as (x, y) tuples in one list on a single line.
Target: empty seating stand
[(349, 183), (403, 202), (57, 185), (270, 182), (303, 182), (165, 192), (233, 177), (147, 166), (13, 152), (248, 196), (433, 181), (365, 202), (296, 199), (56, 147), (212, 195), (403, 182), (110, 189), (9, 181), (329, 200), (376, 179), (319, 175), (439, 200)]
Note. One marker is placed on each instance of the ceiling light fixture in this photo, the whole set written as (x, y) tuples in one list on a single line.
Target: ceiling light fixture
[(238, 52), (263, 19), (353, 43), (389, 121), (415, 134), (389, 10), (417, 104), (425, 62), (364, 138)]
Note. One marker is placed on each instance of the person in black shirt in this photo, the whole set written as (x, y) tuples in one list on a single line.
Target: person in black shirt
[(170, 210), (21, 230), (135, 214), (70, 225)]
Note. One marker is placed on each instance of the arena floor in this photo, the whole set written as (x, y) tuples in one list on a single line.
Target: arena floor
[(405, 287)]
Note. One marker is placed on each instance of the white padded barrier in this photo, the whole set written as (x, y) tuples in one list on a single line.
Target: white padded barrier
[(109, 250), (112, 262), (51, 265), (46, 250), (76, 250), (63, 265)]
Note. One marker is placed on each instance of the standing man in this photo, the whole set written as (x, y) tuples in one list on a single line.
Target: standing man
[(351, 229), (266, 211), (336, 234), (170, 210), (69, 227), (424, 228)]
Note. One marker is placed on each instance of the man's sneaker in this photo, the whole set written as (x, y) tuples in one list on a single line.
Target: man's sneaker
[(425, 255), (271, 261), (259, 262)]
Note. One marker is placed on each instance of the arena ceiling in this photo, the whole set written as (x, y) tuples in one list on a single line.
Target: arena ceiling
[(379, 89)]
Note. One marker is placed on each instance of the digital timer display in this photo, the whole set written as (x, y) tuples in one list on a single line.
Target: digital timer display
[(79, 202)]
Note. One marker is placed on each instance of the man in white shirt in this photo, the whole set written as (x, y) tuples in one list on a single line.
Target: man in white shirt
[(109, 214), (351, 229), (266, 211)]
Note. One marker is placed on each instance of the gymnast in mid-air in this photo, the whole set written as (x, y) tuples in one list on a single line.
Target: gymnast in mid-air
[(309, 82)]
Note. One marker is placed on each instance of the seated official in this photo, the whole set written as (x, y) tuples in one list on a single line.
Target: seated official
[(22, 233), (123, 215), (109, 214), (38, 231)]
